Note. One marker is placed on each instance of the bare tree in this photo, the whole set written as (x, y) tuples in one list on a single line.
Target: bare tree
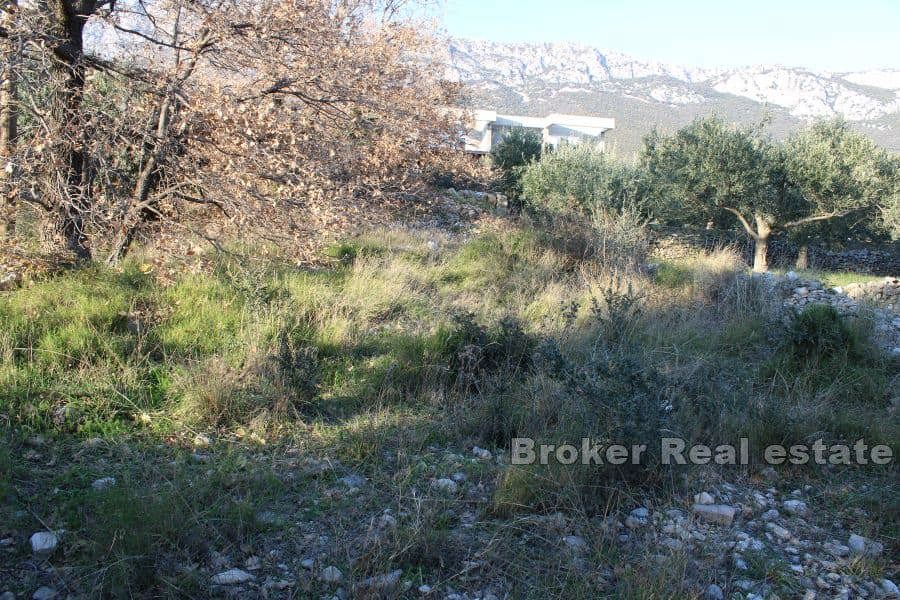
[(66, 21), (252, 111)]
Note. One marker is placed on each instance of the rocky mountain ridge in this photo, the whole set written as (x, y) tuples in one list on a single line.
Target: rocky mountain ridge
[(566, 77)]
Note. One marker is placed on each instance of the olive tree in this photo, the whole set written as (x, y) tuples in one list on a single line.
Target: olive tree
[(709, 167), (890, 215), (842, 177)]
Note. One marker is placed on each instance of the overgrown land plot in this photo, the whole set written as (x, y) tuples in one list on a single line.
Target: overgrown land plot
[(267, 331), (263, 430)]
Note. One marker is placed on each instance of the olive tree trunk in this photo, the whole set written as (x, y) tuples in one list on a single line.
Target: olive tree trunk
[(761, 245), (802, 257)]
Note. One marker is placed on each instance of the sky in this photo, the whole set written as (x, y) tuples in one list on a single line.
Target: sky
[(827, 35)]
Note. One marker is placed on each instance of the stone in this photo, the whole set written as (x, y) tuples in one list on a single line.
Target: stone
[(7, 596), (44, 543), (640, 512), (874, 549), (836, 550), (104, 483), (575, 542), (481, 453), (795, 507), (750, 544), (779, 531), (704, 498), (718, 514), (857, 544), (424, 589), (770, 515), (445, 485), (381, 583), (714, 592), (331, 575), (633, 521), (232, 577), (201, 440), (266, 517), (889, 588), (44, 593), (769, 474), (307, 563), (10, 281), (672, 544), (353, 480), (387, 521), (637, 518)]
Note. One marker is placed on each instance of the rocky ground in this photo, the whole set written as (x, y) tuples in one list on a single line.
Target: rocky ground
[(758, 537)]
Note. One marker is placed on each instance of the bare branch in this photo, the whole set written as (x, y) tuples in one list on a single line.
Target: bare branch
[(747, 227), (820, 217)]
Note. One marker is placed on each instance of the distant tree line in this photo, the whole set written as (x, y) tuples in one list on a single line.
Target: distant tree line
[(826, 182)]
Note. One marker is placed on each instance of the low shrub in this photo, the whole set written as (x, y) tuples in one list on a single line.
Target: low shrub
[(819, 332), (583, 179)]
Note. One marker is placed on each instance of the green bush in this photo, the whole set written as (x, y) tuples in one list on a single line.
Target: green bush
[(820, 332), (824, 354), (517, 149), (583, 179)]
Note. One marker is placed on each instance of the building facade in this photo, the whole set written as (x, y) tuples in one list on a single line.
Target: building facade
[(487, 128)]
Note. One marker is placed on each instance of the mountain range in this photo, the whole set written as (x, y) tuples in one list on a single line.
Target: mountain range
[(538, 79)]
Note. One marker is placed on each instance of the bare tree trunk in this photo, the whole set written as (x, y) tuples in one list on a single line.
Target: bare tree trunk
[(8, 125), (140, 209), (760, 255), (75, 204), (761, 247), (802, 257)]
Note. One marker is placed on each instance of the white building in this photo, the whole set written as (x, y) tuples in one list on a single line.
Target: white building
[(487, 128)]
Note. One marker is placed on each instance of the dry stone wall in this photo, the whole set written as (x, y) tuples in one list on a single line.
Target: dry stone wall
[(673, 243)]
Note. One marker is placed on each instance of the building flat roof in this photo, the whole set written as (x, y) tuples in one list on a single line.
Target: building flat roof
[(492, 116)]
